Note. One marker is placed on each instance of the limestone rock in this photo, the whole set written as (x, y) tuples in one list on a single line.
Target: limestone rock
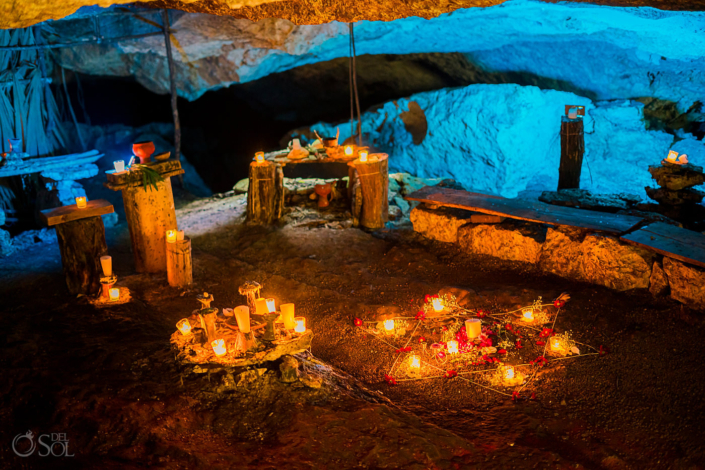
[(606, 261), (241, 186), (561, 254), (289, 369), (658, 284), (687, 283), (439, 224), (677, 177), (311, 381), (511, 240), (675, 198)]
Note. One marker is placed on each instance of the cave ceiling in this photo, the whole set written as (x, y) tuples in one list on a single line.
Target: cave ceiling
[(24, 13)]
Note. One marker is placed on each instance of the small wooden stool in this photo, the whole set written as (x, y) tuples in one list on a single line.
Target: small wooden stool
[(81, 235), (149, 213), (179, 271), (265, 195), (368, 188)]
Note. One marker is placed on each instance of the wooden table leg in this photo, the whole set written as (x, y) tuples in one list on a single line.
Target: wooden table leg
[(373, 177), (179, 271), (82, 243), (265, 195)]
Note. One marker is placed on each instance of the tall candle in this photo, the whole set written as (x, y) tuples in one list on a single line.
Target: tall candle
[(300, 325), (288, 316), (271, 308), (242, 316), (171, 236), (114, 294), (219, 347), (261, 306), (81, 202), (106, 263), (473, 327), (184, 326)]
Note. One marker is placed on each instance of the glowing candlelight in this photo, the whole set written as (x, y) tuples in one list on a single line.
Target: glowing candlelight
[(452, 346), (227, 312), (179, 235), (106, 262), (119, 165), (219, 347), (81, 202), (271, 308), (300, 325), (348, 150), (389, 325), (171, 236), (556, 344), (528, 315), (438, 304), (473, 327), (259, 157), (363, 156), (114, 294), (414, 361), (672, 156), (261, 306), (508, 373), (242, 316), (184, 326), (288, 316)]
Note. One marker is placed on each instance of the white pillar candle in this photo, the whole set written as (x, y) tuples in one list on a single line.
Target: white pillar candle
[(106, 263), (288, 316), (81, 202), (271, 307), (300, 325), (473, 327), (179, 235), (119, 165), (242, 316), (114, 294), (261, 306)]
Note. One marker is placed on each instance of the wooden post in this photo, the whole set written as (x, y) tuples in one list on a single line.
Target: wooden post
[(373, 177), (265, 196), (572, 150), (172, 88), (81, 236), (178, 263)]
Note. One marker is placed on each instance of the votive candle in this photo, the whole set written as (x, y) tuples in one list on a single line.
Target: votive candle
[(271, 308), (119, 165), (528, 315), (473, 327), (179, 235), (414, 361), (555, 344), (242, 316), (259, 157), (452, 346), (171, 236), (348, 150), (438, 304), (219, 347), (363, 156), (114, 294), (81, 202), (184, 326), (288, 316), (508, 373), (389, 325), (300, 325)]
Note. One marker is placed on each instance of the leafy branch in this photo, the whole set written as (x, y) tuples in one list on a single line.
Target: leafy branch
[(150, 177)]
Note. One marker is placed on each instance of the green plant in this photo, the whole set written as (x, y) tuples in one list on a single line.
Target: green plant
[(150, 177)]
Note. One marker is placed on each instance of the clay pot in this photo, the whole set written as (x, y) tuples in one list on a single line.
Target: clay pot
[(330, 142), (143, 150), (323, 190), (106, 290)]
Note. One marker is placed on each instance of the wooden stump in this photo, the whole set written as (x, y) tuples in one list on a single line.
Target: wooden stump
[(373, 177), (82, 243), (265, 196), (572, 150), (149, 213), (178, 263)]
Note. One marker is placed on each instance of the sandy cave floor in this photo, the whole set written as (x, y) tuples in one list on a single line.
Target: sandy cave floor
[(107, 377)]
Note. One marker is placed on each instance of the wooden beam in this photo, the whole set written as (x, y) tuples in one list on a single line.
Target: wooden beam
[(172, 88), (668, 240), (63, 214)]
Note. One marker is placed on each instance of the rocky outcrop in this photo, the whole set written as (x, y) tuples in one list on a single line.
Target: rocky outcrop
[(687, 283), (439, 224), (658, 284), (511, 240)]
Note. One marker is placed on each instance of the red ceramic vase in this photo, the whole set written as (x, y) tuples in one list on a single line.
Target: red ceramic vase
[(143, 150)]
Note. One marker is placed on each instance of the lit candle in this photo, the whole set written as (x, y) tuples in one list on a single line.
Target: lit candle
[(672, 156), (300, 325), (81, 202), (528, 315), (508, 373), (389, 325), (288, 316), (363, 156), (271, 308), (452, 346), (556, 344), (438, 304), (106, 262), (119, 165), (179, 235), (171, 236), (259, 157), (348, 150), (473, 327), (414, 361), (114, 294), (219, 347), (184, 326), (261, 306), (242, 316)]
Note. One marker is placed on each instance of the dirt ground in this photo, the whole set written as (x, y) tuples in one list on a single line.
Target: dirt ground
[(108, 380)]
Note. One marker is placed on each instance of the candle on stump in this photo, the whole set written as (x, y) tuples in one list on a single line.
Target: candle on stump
[(452, 346), (106, 262), (119, 165), (672, 156), (171, 236), (179, 235), (81, 202), (389, 325), (300, 325), (288, 316), (242, 316), (528, 315), (271, 308), (473, 327), (259, 157), (363, 156), (219, 347), (114, 294), (184, 326), (261, 306), (414, 362)]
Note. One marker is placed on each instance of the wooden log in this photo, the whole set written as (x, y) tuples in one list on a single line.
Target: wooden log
[(179, 271), (82, 243), (374, 185), (149, 213), (572, 150), (265, 195), (355, 190)]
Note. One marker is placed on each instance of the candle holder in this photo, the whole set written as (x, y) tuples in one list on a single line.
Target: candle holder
[(184, 326), (219, 348), (300, 325), (81, 202), (171, 236), (107, 283), (269, 334)]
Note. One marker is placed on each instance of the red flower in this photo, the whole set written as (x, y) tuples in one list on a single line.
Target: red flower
[(422, 339), (390, 380), (441, 355), (546, 332), (518, 344), (603, 350), (502, 351), (515, 396), (559, 303), (481, 314), (358, 322), (539, 361), (420, 316), (427, 298), (509, 326), (445, 328), (406, 349), (451, 373), (540, 343), (533, 395)]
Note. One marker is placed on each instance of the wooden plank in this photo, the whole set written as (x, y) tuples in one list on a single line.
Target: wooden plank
[(39, 164), (532, 211), (63, 214), (166, 168), (668, 240)]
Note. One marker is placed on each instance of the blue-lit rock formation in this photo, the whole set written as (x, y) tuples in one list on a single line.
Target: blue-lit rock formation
[(504, 139), (599, 52)]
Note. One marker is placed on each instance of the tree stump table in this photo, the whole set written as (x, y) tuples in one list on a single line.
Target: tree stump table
[(265, 195), (368, 188), (149, 212), (81, 236)]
